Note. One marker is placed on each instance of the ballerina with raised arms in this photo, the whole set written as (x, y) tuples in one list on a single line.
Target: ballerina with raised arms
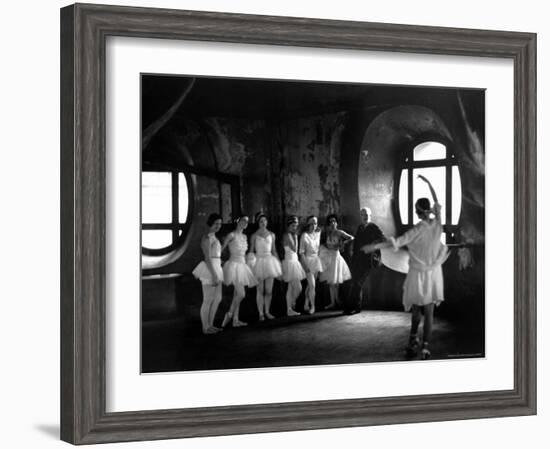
[(423, 287)]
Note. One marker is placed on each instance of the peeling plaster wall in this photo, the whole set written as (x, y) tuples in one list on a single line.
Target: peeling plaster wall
[(311, 165)]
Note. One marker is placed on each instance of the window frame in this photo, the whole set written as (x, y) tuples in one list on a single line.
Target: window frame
[(174, 226), (190, 172), (407, 162)]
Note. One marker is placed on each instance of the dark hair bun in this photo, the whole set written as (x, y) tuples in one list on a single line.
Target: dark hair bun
[(291, 219), (212, 218), (423, 204)]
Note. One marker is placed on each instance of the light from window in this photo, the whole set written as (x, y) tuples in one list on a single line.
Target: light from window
[(156, 197), (164, 208), (457, 195), (183, 197), (430, 150), (158, 238), (404, 196)]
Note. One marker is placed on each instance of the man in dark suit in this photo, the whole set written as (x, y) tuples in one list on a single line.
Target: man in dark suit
[(361, 263)]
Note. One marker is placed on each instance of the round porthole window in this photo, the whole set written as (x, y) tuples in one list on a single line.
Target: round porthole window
[(165, 208)]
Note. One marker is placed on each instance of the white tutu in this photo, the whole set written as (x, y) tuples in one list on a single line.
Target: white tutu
[(202, 272), (251, 260), (313, 263), (292, 268), (309, 248), (267, 266), (335, 268), (238, 272)]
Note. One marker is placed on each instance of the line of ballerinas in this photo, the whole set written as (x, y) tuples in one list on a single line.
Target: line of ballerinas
[(304, 258)]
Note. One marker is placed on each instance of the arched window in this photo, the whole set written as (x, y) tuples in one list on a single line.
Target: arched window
[(165, 204), (436, 162)]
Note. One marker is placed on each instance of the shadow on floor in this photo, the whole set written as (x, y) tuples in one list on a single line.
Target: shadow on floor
[(319, 339)]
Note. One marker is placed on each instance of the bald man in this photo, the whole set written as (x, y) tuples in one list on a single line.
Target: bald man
[(361, 263)]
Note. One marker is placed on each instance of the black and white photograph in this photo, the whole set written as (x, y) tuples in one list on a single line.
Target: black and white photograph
[(305, 223), (275, 224)]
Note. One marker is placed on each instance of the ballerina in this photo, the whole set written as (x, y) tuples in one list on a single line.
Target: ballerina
[(293, 273), (423, 287), (210, 273), (309, 255), (335, 268), (265, 266), (236, 272)]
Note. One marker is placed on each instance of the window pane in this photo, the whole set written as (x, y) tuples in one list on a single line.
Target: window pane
[(436, 175), (404, 197), (429, 150), (156, 238), (183, 198), (156, 197), (457, 195)]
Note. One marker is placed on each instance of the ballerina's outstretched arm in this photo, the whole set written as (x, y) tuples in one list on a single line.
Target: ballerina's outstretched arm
[(432, 191), (372, 247), (436, 207)]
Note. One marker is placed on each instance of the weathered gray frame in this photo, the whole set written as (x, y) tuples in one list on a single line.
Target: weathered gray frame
[(83, 32)]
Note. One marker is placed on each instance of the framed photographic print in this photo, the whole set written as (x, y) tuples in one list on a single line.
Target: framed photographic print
[(269, 222)]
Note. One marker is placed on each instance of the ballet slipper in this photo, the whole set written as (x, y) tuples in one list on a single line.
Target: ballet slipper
[(425, 353), (237, 323), (261, 317), (413, 346), (227, 319), (269, 316), (291, 312), (311, 311), (209, 331)]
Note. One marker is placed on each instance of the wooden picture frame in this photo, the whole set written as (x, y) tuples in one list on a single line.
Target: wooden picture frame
[(84, 29)]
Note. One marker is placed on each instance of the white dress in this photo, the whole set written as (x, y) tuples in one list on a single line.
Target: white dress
[(335, 268), (424, 282), (202, 272), (309, 248), (235, 270), (292, 268), (266, 264)]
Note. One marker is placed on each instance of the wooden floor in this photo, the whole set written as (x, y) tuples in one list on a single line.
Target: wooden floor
[(319, 339)]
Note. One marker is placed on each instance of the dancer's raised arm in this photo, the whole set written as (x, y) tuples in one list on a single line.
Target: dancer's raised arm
[(432, 191), (436, 209)]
